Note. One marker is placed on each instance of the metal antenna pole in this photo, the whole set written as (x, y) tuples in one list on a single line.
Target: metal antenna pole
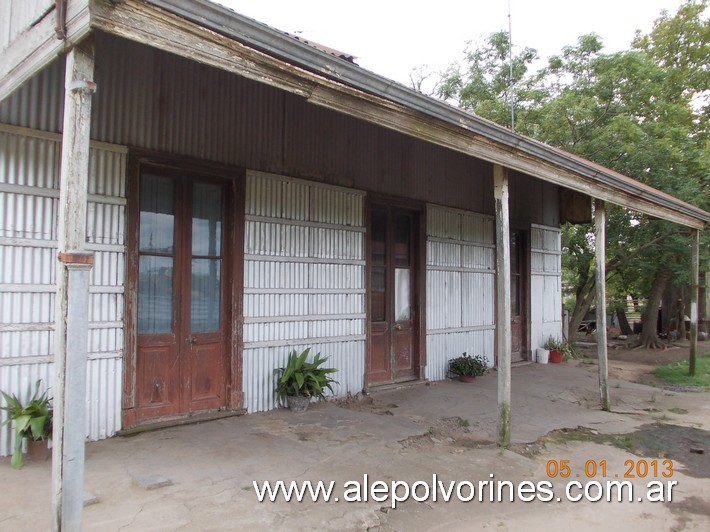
[(510, 52)]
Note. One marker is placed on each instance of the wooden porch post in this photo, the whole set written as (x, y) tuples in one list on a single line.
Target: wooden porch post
[(71, 336), (694, 289), (600, 253), (503, 338)]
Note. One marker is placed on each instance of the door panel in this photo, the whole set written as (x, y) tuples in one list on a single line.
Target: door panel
[(393, 347), (206, 357), (517, 296), (158, 391), (181, 354), (403, 295)]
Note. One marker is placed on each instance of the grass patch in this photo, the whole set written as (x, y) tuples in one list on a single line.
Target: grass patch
[(677, 372)]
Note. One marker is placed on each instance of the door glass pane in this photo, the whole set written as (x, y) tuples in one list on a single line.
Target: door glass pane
[(402, 309), (377, 294), (206, 220), (379, 238), (514, 253), (155, 294), (157, 214), (205, 297), (401, 241)]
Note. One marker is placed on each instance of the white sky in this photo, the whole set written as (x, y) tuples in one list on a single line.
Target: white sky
[(391, 37)]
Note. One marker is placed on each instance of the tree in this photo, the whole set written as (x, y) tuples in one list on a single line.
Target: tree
[(642, 112), (484, 86)]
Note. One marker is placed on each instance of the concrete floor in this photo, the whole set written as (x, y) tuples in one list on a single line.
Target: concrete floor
[(406, 434)]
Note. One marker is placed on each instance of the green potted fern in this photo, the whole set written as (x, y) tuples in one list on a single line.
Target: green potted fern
[(300, 380), (468, 367), (32, 422)]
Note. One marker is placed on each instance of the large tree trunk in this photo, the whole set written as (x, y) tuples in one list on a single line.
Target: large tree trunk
[(585, 298), (649, 337), (624, 322)]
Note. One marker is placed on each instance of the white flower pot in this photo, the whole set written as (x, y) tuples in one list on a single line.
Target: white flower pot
[(542, 355)]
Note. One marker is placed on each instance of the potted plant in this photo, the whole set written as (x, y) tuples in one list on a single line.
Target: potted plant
[(556, 348), (32, 422), (468, 367), (299, 381)]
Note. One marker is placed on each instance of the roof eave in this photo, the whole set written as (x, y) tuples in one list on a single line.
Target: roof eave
[(278, 44)]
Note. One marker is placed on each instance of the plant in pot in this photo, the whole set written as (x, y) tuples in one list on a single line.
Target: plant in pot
[(300, 380), (468, 367), (556, 348), (32, 422)]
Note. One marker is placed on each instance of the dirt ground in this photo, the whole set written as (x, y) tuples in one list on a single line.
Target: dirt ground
[(638, 365), (447, 429)]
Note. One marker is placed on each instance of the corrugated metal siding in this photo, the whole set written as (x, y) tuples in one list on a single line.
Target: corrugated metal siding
[(29, 180), (16, 16), (154, 100), (460, 287), (39, 103), (545, 284), (304, 281)]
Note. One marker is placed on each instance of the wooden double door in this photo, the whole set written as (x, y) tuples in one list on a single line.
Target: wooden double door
[(393, 353), (182, 319)]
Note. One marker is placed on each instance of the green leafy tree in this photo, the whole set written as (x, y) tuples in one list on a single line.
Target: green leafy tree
[(642, 112)]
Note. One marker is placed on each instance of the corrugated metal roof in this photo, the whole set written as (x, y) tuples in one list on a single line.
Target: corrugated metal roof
[(280, 45)]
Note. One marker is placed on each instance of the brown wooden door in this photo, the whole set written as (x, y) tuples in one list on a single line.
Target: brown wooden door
[(394, 352), (518, 323), (181, 362)]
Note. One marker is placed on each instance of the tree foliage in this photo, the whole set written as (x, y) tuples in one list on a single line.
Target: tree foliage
[(642, 112)]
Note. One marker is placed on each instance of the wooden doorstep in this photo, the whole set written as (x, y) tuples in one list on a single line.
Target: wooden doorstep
[(180, 421)]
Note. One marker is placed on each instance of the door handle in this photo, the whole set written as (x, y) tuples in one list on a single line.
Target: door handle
[(193, 339), (398, 327)]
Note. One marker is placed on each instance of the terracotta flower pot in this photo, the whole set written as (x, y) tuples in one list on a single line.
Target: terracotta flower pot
[(467, 378), (556, 357), (37, 451)]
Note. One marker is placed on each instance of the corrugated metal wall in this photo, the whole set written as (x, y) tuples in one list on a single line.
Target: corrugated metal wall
[(545, 284), (154, 100), (29, 181), (304, 281), (305, 253), (460, 287)]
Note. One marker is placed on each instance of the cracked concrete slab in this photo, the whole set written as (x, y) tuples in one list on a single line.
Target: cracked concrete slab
[(449, 428), (151, 481)]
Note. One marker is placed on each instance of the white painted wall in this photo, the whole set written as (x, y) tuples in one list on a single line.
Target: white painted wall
[(545, 284), (29, 181), (460, 280), (304, 281)]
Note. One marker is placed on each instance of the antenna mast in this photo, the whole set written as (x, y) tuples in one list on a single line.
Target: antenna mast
[(511, 89)]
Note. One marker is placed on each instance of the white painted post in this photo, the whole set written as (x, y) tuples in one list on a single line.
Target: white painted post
[(71, 332), (694, 289), (503, 331), (600, 255)]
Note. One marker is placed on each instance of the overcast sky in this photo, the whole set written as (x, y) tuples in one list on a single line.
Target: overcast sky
[(391, 37)]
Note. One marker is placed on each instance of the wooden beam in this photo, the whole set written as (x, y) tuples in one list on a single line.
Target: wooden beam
[(694, 290), (503, 331), (600, 255), (72, 319), (38, 46), (147, 24)]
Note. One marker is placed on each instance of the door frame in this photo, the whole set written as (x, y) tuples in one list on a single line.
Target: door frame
[(526, 301), (234, 179), (418, 208)]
